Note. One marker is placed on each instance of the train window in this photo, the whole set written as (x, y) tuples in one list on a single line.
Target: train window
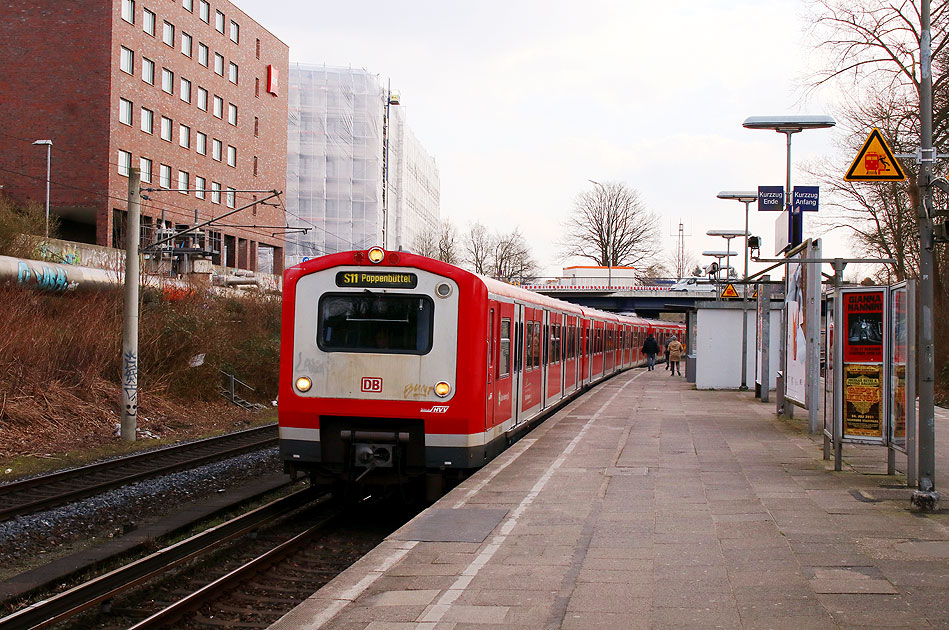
[(529, 360), (379, 323), (504, 362), (537, 343)]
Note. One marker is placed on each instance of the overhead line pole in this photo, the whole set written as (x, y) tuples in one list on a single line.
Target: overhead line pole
[(925, 496)]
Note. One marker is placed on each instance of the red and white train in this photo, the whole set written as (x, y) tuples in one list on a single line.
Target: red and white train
[(395, 365)]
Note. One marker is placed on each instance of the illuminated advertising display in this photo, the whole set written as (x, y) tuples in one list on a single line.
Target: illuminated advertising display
[(863, 333)]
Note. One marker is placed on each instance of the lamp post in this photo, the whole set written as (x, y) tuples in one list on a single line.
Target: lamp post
[(788, 125), (719, 255), (609, 237), (49, 146), (747, 197)]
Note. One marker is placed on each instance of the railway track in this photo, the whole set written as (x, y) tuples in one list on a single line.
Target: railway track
[(246, 572), (46, 491)]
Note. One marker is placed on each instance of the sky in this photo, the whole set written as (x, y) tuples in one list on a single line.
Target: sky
[(523, 102)]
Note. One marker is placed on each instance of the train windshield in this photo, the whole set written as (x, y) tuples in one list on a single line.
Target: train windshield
[(376, 322)]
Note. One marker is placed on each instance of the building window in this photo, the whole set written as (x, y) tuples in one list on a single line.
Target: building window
[(168, 34), (231, 156), (145, 166), (219, 22), (218, 107), (166, 128), (125, 162), (255, 166), (185, 88), (216, 149), (199, 187), (164, 176), (148, 71), (127, 61), (215, 192), (232, 114), (201, 143), (204, 11), (219, 64), (184, 136), (185, 44), (256, 127), (235, 32), (203, 54), (258, 48), (188, 5), (202, 99), (125, 112), (232, 73), (148, 120), (148, 22), (257, 87), (183, 182), (128, 11), (167, 81), (231, 197)]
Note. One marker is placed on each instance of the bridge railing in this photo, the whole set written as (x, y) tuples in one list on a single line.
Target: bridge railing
[(597, 283)]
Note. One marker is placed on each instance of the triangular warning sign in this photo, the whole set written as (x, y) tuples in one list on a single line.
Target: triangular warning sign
[(730, 291), (754, 296), (875, 162)]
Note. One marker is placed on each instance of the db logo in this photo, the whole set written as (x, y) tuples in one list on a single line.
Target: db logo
[(372, 384)]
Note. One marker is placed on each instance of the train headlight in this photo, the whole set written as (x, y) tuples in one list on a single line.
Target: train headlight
[(304, 384), (442, 389), (376, 255)]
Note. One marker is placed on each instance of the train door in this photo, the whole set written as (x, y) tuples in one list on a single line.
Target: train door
[(545, 358), (553, 359), (505, 374), (518, 379), (489, 387)]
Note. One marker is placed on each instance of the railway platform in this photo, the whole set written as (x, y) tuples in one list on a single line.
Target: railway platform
[(649, 504)]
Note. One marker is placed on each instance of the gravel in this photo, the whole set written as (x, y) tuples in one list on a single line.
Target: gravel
[(109, 514)]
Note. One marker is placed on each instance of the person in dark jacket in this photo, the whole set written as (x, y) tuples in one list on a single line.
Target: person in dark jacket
[(650, 349)]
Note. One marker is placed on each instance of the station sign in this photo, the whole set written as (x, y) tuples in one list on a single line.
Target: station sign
[(875, 162), (770, 198), (376, 280), (805, 198)]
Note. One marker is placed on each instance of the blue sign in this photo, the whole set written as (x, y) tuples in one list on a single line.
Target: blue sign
[(805, 198), (770, 198)]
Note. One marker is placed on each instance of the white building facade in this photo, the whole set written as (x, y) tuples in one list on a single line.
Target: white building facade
[(338, 164)]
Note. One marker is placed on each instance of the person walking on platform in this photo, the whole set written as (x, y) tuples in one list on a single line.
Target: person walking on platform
[(666, 350), (650, 349), (675, 355)]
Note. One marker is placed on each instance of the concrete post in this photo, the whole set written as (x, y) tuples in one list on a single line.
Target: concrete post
[(130, 325)]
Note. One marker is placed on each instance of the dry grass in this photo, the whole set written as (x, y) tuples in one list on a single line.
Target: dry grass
[(60, 366)]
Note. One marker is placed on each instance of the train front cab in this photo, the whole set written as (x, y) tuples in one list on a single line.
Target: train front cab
[(379, 354)]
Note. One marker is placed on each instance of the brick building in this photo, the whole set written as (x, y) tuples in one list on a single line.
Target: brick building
[(190, 91)]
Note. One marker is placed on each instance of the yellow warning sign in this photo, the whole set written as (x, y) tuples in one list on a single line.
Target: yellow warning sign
[(875, 162), (730, 291)]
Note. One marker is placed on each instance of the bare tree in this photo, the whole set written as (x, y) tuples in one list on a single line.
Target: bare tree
[(511, 260), (611, 226), (438, 242), (478, 245)]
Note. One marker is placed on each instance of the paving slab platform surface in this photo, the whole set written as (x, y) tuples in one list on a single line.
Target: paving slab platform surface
[(649, 504)]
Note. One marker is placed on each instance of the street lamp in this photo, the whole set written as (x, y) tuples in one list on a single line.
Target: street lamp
[(719, 255), (747, 197), (787, 125), (49, 146), (609, 240)]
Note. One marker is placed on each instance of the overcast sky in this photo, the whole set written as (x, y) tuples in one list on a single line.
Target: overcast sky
[(521, 102)]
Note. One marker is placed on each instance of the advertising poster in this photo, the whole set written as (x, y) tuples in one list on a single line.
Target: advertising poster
[(863, 401), (796, 342), (863, 324)]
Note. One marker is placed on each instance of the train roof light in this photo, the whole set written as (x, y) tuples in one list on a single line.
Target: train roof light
[(376, 255)]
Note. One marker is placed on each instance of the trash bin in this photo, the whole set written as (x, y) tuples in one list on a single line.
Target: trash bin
[(690, 368)]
